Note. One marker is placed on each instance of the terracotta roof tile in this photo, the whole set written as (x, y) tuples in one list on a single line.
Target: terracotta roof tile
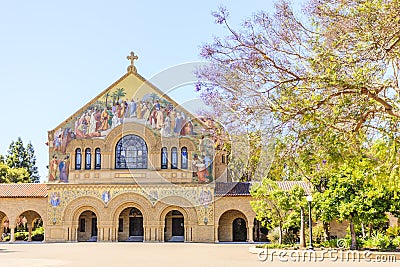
[(23, 190), (232, 189)]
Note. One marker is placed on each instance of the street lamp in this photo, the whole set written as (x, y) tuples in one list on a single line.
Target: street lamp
[(309, 200)]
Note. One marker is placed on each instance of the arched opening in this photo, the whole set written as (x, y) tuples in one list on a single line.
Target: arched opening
[(174, 230), (184, 158), (78, 159), (97, 162), (87, 226), (5, 230), (164, 158), (130, 225), (239, 230), (88, 159), (260, 232), (174, 158), (131, 153), (29, 227), (232, 227)]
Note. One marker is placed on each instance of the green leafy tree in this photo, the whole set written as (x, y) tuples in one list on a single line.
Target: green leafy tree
[(13, 175), (276, 207), (353, 195), (20, 156)]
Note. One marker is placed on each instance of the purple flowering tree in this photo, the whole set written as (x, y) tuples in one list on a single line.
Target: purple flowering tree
[(322, 83)]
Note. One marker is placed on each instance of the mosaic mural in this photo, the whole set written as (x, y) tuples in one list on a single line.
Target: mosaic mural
[(118, 106)]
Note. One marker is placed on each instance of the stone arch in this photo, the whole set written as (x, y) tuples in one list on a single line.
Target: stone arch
[(226, 223), (186, 142), (186, 214), (5, 227), (246, 216), (129, 128), (27, 216), (182, 205), (77, 206), (30, 212), (126, 200)]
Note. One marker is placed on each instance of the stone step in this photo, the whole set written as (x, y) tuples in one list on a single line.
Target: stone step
[(177, 239), (93, 239), (135, 239)]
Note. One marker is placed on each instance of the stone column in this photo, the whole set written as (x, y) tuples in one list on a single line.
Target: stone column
[(250, 234), (162, 233), (216, 233), (186, 237), (29, 234), (100, 234), (12, 238)]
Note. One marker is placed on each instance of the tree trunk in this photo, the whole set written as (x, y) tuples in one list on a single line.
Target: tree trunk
[(327, 234), (280, 234), (353, 236), (302, 229), (363, 230)]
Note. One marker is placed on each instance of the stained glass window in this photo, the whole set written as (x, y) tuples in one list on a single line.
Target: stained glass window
[(164, 158), (131, 153), (174, 158), (97, 163), (88, 159), (184, 158), (78, 159)]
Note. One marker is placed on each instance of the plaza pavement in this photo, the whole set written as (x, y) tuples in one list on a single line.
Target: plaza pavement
[(142, 254)]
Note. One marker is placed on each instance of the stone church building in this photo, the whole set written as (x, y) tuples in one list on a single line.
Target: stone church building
[(133, 165)]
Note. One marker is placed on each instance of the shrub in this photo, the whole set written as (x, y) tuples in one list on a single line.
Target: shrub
[(332, 243), (273, 235), (396, 242), (379, 241), (21, 236), (393, 232), (38, 234)]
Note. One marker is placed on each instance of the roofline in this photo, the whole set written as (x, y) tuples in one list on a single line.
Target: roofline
[(91, 102)]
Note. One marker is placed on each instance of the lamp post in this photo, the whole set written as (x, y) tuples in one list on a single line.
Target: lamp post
[(309, 200)]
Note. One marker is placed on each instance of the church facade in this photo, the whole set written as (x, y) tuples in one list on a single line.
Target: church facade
[(133, 165)]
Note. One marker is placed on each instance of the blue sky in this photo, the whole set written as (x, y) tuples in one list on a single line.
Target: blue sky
[(55, 56)]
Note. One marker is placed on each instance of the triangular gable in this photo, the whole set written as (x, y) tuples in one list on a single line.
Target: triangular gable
[(130, 99), (139, 83)]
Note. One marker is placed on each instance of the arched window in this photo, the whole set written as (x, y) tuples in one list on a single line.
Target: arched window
[(131, 153), (184, 158), (164, 158), (174, 158), (78, 159), (97, 162), (88, 159)]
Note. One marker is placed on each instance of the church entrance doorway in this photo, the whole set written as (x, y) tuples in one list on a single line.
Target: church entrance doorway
[(239, 230), (232, 227), (174, 227), (87, 230), (135, 226), (94, 226), (130, 227)]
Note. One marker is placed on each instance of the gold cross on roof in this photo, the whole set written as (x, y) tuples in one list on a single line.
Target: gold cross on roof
[(132, 58)]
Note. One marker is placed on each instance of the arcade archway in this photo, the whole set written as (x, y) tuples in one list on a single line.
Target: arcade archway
[(174, 230), (130, 225), (87, 226)]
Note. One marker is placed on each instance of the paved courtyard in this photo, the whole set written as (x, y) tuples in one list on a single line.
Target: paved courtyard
[(141, 254)]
